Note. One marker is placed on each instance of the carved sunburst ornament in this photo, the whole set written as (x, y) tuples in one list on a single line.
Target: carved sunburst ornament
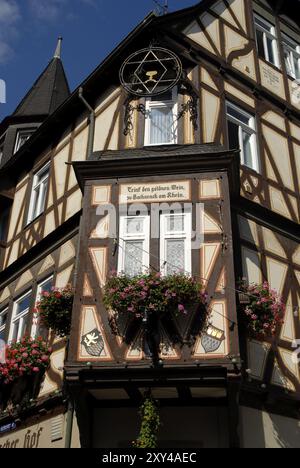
[(150, 72)]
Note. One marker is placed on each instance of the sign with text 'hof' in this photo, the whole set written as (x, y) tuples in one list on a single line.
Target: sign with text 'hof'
[(156, 192)]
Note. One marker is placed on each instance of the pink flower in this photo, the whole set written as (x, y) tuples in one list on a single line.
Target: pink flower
[(35, 369)]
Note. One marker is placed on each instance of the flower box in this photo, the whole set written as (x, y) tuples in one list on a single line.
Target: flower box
[(149, 301), (55, 310), (263, 312), (25, 365)]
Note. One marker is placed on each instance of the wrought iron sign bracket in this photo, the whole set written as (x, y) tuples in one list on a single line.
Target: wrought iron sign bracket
[(186, 87), (152, 72)]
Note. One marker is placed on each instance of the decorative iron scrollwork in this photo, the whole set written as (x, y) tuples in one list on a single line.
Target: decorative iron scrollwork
[(129, 111), (150, 72), (186, 87)]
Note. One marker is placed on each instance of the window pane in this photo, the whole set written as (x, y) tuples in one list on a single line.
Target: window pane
[(260, 44), (240, 116), (271, 45), (2, 335), (233, 135), (175, 223), (133, 258), (162, 125), (3, 319), (23, 304), (175, 256), (135, 226), (23, 328), (288, 62), (247, 149), (263, 24), (47, 286), (42, 200)]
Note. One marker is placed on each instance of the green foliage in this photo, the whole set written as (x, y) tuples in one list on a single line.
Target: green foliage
[(150, 425), (55, 310), (153, 293), (266, 310)]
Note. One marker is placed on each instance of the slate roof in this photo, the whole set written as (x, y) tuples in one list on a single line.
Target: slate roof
[(49, 91)]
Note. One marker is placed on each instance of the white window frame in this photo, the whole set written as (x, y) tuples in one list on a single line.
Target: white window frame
[(125, 237), (27, 132), (185, 235), (250, 129), (294, 53), (36, 207), (35, 320), (269, 31), (3, 312), (19, 318), (159, 105)]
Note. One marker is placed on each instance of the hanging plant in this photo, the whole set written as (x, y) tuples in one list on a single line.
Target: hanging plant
[(153, 293), (55, 310), (263, 309), (150, 425), (25, 358)]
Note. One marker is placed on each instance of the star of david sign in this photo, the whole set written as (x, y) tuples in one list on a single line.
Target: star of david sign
[(150, 72)]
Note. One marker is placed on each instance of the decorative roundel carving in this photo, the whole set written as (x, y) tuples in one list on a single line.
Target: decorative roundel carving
[(150, 72)]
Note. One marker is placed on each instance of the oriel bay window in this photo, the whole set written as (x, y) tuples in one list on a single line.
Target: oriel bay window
[(39, 193), (20, 325), (161, 120), (266, 39), (242, 134), (291, 56)]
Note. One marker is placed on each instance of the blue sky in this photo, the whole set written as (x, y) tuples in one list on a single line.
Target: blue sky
[(90, 28)]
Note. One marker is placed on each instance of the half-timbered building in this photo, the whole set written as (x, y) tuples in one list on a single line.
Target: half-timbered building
[(200, 107)]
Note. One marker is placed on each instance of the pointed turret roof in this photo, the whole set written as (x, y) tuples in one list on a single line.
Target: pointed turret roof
[(49, 91)]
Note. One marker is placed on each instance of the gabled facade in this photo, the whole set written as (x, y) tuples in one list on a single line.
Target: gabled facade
[(226, 136)]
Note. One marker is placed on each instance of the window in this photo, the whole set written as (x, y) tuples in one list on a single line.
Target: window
[(134, 245), (1, 152), (39, 193), (161, 119), (291, 56), (4, 215), (266, 40), (20, 321), (242, 134), (3, 321), (22, 137), (45, 286), (175, 243)]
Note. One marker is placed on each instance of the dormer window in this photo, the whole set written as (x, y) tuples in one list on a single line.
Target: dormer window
[(22, 137), (291, 56), (161, 119), (266, 39)]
